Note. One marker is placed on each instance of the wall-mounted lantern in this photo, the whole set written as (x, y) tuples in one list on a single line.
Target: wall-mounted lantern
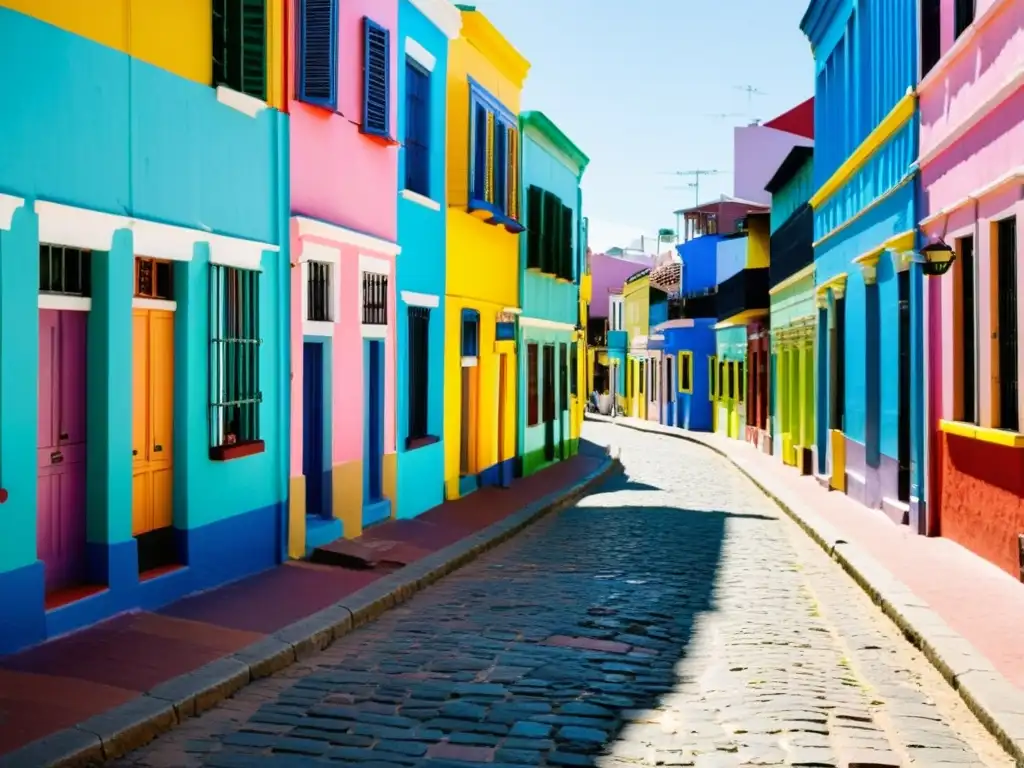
[(938, 257)]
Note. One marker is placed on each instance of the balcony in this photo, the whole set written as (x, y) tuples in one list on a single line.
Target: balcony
[(791, 245), (744, 292), (617, 340), (693, 305)]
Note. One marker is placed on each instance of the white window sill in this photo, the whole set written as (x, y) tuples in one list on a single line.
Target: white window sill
[(373, 331), (416, 197), (243, 102), (317, 328)]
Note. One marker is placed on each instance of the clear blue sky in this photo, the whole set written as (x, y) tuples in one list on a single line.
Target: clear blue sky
[(632, 84)]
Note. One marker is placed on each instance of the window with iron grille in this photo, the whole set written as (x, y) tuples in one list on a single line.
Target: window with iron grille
[(417, 128), (318, 291), (153, 279), (532, 393), (235, 395), (574, 369), (968, 335), (376, 79), (1006, 286), (318, 53), (470, 333), (563, 374), (64, 271), (963, 16), (239, 46), (375, 299), (419, 367)]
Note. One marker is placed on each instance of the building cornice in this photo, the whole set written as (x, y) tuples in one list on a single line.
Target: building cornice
[(536, 120), (479, 32), (442, 14)]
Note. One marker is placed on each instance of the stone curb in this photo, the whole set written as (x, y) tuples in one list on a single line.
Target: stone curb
[(137, 722), (997, 703)]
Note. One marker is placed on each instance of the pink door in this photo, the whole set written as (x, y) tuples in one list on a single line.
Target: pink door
[(60, 518)]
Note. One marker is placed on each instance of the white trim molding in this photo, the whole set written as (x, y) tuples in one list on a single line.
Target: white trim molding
[(683, 322), (9, 204), (318, 328), (374, 264), (416, 197), (140, 302), (420, 55), (62, 302), (961, 44), (539, 322), (312, 227), (84, 228), (373, 331), (243, 102), (427, 300), (442, 14), (1014, 175)]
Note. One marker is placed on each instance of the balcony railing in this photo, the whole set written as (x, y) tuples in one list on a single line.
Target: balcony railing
[(791, 245), (692, 305), (747, 289)]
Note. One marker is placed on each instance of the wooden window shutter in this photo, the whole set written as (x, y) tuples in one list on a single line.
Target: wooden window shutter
[(566, 243), (479, 153), (534, 228), (549, 254), (376, 78), (489, 160), (512, 209), (239, 44), (500, 164), (318, 24), (254, 48)]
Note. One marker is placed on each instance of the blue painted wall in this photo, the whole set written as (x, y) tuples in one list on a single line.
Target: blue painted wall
[(691, 411), (421, 269), (699, 262), (732, 257), (542, 295), (117, 135), (658, 311)]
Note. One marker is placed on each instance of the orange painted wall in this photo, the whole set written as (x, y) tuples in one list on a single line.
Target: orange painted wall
[(981, 497)]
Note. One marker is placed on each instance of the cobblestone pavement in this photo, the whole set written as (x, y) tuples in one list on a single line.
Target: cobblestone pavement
[(676, 617)]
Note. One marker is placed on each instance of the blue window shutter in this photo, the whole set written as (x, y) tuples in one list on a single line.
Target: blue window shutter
[(376, 78), (479, 150), (318, 52)]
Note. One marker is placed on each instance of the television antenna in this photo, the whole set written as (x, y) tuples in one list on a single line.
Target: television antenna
[(724, 115), (695, 173), (751, 92)]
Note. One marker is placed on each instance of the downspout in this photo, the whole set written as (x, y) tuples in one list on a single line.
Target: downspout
[(283, 288)]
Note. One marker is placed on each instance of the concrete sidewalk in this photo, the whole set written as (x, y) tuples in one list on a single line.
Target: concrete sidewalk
[(964, 613), (98, 693)]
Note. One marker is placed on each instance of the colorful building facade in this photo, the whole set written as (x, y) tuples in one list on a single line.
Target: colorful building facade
[(636, 303), (343, 230), (425, 27), (485, 81), (143, 306), (792, 314), (971, 155), (869, 412), (551, 269)]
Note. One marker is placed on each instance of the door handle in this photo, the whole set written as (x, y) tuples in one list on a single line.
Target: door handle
[(56, 457), (134, 452), (157, 448)]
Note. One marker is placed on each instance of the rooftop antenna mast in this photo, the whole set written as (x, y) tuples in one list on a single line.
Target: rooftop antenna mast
[(751, 92), (696, 173)]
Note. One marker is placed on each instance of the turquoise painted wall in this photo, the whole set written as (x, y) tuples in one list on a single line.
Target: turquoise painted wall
[(116, 135), (421, 269), (542, 295), (731, 343), (531, 439)]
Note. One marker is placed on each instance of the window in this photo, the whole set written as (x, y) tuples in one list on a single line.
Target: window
[(419, 367), (376, 79), (318, 291), (653, 374), (563, 374), (240, 45), (670, 394), (470, 333), (64, 270), (732, 380), (740, 381), (712, 377), (642, 377), (494, 159), (318, 53), (532, 393), (931, 45), (505, 331), (574, 369), (375, 298), (1006, 289), (723, 376), (963, 16), (153, 279), (686, 372), (968, 334), (235, 395), (417, 128)]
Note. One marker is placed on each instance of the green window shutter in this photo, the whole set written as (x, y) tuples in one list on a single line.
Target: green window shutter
[(254, 48), (566, 243), (546, 252), (534, 228), (240, 46)]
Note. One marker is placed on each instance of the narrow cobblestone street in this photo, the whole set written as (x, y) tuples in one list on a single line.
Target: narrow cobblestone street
[(675, 617)]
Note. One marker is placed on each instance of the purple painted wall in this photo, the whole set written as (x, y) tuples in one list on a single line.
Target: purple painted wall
[(608, 273), (757, 153)]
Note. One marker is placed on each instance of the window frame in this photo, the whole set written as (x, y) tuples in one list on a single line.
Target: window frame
[(330, 100), (508, 213), (412, 139), (685, 363), (418, 380), (155, 294), (382, 131), (219, 335), (469, 318), (84, 259), (532, 384), (221, 76), (966, 335)]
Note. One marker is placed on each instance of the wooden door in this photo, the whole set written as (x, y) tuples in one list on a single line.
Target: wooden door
[(152, 420), (313, 464), (61, 518)]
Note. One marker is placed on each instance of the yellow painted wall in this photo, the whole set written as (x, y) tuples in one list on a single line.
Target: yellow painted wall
[(758, 242), (636, 307), (483, 261), (175, 35)]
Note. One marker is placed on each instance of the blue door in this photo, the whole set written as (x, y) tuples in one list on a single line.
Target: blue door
[(313, 428), (375, 507)]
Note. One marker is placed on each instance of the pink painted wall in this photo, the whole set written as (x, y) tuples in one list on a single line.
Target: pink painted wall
[(757, 153), (338, 174), (608, 273), (347, 350)]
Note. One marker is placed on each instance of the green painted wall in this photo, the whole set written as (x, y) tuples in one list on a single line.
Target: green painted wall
[(531, 439)]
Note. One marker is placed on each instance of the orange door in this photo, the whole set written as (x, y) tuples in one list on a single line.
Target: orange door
[(152, 419)]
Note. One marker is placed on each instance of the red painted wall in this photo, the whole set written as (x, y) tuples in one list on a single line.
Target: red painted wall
[(798, 120), (981, 495)]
